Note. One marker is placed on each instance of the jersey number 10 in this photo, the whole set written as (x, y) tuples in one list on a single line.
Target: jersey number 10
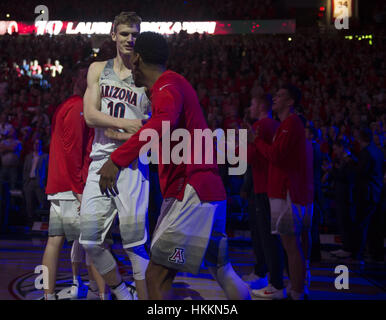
[(117, 111)]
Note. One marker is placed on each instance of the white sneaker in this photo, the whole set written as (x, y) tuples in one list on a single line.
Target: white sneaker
[(92, 295), (250, 277), (78, 292), (74, 291), (133, 291), (105, 296), (341, 253), (269, 292), (255, 282)]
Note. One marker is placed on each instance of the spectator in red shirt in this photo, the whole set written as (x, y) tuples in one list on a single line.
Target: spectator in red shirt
[(36, 70), (289, 186)]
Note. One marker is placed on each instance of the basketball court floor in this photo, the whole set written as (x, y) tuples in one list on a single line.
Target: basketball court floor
[(19, 257)]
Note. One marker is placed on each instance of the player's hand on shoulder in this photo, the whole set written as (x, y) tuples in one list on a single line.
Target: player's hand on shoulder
[(117, 135)]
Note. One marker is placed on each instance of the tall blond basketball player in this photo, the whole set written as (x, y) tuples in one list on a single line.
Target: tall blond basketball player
[(111, 99)]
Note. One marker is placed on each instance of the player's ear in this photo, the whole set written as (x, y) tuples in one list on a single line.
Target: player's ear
[(135, 59), (113, 36)]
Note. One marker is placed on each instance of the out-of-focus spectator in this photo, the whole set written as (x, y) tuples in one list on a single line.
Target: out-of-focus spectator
[(57, 68), (315, 251), (5, 126), (343, 179), (35, 178), (10, 149), (368, 191), (36, 70)]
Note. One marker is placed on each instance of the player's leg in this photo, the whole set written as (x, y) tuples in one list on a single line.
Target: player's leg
[(159, 280), (307, 243), (296, 262), (54, 245), (100, 256), (139, 260), (106, 265), (97, 285), (132, 206), (216, 257), (96, 217), (77, 256), (50, 260), (234, 288)]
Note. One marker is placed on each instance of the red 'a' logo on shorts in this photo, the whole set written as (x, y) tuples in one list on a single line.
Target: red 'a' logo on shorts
[(177, 256)]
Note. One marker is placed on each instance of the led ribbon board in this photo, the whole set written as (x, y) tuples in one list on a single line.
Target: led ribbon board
[(58, 27)]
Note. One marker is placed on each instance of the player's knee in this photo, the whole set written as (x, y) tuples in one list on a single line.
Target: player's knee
[(139, 260), (55, 242), (100, 257)]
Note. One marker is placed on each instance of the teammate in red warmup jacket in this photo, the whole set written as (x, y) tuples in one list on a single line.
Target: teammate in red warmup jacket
[(290, 189), (67, 173), (191, 226), (270, 243)]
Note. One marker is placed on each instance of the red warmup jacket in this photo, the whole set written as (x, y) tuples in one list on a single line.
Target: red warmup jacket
[(71, 142), (267, 128), (174, 100), (287, 162)]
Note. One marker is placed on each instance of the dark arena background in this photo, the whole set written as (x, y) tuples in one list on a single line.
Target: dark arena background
[(231, 52)]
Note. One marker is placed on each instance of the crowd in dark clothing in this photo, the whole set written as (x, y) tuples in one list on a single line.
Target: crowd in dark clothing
[(339, 97), (149, 10)]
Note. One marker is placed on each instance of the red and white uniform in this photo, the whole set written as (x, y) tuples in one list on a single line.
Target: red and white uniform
[(287, 158)]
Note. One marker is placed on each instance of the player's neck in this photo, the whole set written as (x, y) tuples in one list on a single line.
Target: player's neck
[(153, 75), (264, 115), (121, 62), (284, 114)]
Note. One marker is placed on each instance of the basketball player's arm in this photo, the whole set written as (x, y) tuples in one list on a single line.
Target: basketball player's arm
[(92, 104)]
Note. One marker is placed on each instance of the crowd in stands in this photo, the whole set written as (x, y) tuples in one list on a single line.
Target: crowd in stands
[(342, 84), (177, 10), (149, 10)]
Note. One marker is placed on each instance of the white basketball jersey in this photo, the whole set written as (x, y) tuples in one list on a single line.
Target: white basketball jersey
[(120, 99)]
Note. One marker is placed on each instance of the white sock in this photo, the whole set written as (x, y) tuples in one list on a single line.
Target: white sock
[(77, 280), (49, 296), (93, 285), (104, 296), (122, 293)]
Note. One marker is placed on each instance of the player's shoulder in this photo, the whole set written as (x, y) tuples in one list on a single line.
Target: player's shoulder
[(171, 83), (97, 67), (291, 120)]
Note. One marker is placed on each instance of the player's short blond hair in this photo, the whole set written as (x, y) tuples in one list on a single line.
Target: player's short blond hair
[(127, 18)]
